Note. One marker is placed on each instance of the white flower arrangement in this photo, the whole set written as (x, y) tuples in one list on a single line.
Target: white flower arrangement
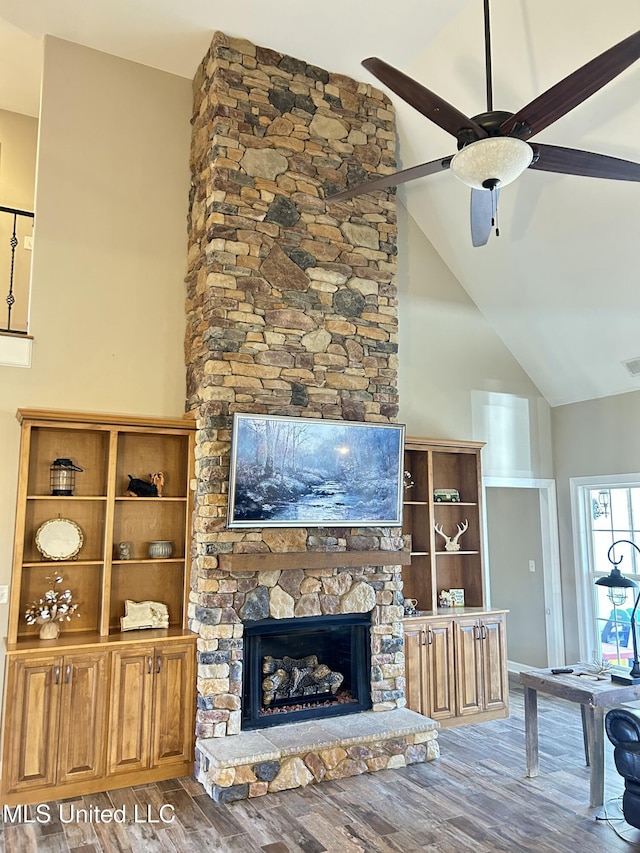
[(55, 606)]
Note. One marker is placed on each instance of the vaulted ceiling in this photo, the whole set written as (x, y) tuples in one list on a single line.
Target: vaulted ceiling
[(561, 285)]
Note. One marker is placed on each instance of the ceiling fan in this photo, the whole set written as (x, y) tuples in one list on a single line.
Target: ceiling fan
[(493, 147)]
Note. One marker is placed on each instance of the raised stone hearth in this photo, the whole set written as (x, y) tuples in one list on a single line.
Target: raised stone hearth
[(299, 754)]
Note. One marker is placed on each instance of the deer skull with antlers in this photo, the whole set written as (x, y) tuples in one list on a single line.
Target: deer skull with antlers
[(449, 543)]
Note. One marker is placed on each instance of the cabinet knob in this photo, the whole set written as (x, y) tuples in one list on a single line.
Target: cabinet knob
[(484, 632), (149, 665), (67, 674), (56, 674), (159, 664)]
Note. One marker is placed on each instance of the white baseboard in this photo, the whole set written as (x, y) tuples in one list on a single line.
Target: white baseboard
[(514, 668)]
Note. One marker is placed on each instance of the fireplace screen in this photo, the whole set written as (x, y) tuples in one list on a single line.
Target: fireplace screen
[(304, 668)]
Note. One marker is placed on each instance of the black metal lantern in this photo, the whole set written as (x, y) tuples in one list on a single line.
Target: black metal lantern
[(63, 476), (618, 585)]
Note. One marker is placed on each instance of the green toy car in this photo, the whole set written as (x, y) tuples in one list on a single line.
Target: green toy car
[(446, 496)]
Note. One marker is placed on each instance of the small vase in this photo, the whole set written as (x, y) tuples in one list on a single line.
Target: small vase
[(49, 630), (160, 549)]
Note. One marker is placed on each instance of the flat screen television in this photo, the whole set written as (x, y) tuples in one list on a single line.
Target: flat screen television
[(302, 472)]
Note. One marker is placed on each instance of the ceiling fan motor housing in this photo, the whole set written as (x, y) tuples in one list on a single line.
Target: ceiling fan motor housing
[(490, 122)]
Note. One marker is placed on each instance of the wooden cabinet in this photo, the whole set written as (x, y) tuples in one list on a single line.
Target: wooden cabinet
[(152, 709), (429, 666), (130, 719), (456, 667), (82, 717), (30, 752), (63, 708), (456, 656), (173, 712), (416, 667), (480, 666), (57, 720)]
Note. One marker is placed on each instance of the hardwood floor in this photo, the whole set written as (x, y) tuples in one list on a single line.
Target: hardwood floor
[(474, 798)]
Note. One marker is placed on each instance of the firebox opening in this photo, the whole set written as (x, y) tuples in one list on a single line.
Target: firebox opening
[(305, 668)]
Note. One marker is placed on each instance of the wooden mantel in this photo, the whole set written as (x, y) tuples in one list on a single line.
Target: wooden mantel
[(311, 560)]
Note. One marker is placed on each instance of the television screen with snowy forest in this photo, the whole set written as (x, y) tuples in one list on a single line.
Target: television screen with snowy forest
[(298, 472)]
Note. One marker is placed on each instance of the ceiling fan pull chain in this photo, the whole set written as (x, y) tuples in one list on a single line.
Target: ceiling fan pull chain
[(494, 205)]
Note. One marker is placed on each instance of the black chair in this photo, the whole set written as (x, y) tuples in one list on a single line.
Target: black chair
[(623, 730)]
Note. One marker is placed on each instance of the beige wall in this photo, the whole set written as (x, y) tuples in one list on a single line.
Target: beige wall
[(18, 142), (513, 539), (457, 379), (109, 251), (598, 437)]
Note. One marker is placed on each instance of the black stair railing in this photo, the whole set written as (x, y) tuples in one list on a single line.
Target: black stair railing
[(13, 245)]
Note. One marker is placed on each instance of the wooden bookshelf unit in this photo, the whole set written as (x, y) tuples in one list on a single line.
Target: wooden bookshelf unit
[(455, 656), (99, 708)]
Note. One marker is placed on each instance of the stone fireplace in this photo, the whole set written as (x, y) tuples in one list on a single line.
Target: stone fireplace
[(358, 607), (291, 310)]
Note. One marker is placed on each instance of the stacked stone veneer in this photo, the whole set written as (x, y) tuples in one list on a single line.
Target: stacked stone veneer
[(291, 310), (284, 595), (330, 750)]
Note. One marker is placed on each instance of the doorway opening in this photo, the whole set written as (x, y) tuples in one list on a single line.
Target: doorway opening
[(523, 568)]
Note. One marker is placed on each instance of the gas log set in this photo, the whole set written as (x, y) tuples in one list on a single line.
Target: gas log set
[(290, 678)]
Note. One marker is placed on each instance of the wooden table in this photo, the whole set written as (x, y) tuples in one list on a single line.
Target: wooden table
[(593, 696)]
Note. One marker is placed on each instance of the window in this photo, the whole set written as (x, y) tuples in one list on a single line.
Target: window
[(606, 512), (16, 241)]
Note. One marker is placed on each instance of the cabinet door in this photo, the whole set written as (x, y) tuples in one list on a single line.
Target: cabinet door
[(416, 667), (82, 718), (468, 667), (494, 663), (440, 669), (130, 711), (32, 723), (173, 704)]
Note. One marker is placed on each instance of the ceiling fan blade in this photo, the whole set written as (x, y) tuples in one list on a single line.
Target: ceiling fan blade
[(483, 207), (395, 179), (426, 102), (572, 161), (573, 90)]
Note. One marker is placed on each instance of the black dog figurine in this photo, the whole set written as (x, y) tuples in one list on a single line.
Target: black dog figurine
[(142, 489)]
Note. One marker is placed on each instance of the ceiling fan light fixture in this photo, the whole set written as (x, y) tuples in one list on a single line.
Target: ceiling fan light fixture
[(492, 162)]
